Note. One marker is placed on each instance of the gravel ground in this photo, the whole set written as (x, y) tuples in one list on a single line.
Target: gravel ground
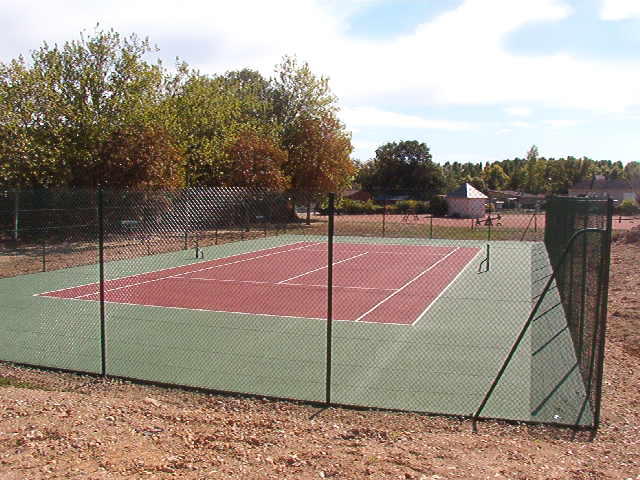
[(58, 425)]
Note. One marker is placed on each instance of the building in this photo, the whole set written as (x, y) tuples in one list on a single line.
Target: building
[(511, 199), (466, 202), (601, 187)]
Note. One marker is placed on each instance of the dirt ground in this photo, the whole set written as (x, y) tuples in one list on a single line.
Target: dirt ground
[(58, 425)]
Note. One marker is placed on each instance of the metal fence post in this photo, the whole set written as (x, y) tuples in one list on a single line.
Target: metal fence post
[(431, 227), (16, 215), (103, 350), (384, 213), (602, 323), (44, 250), (332, 198)]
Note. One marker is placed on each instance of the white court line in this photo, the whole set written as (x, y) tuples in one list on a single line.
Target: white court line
[(419, 317), (169, 268), (195, 309), (222, 311), (192, 271), (256, 282), (406, 285), (406, 254), (323, 267)]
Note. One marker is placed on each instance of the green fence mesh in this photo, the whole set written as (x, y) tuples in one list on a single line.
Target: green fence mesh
[(384, 303)]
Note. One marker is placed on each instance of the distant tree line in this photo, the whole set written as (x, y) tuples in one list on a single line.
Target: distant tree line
[(95, 112), (408, 166)]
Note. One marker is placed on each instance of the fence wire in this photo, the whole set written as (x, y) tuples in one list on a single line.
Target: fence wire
[(385, 302)]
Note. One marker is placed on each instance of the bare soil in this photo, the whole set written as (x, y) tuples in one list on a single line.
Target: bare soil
[(59, 425)]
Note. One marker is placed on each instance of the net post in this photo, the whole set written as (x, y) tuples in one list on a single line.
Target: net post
[(103, 350), (330, 236), (431, 226)]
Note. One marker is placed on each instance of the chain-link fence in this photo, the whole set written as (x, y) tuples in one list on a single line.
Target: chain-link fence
[(382, 302)]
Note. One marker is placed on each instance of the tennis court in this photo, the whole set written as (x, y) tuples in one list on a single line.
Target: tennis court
[(419, 325), (221, 289), (371, 283)]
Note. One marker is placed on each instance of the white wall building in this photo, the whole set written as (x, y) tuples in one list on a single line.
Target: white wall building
[(466, 202)]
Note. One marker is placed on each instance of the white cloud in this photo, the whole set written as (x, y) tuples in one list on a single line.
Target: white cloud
[(518, 111), (620, 9), (504, 131), (373, 117), (457, 58), (561, 123), (520, 124)]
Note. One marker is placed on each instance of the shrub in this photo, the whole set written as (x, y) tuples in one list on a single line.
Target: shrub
[(411, 206), (627, 208), (351, 206), (371, 207), (438, 206)]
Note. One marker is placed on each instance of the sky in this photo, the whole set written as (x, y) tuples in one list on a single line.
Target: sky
[(476, 80)]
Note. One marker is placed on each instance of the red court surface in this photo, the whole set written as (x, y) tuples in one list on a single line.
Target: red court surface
[(371, 282)]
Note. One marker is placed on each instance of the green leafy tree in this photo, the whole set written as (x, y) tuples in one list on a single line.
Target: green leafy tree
[(405, 165), (535, 171), (62, 106), (298, 94), (494, 177), (203, 117), (317, 143)]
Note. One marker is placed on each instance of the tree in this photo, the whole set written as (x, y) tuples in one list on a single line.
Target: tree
[(203, 117), (256, 162), (495, 178), (299, 94), (319, 160), (57, 112), (632, 175), (317, 143), (535, 171), (404, 165), (137, 158)]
